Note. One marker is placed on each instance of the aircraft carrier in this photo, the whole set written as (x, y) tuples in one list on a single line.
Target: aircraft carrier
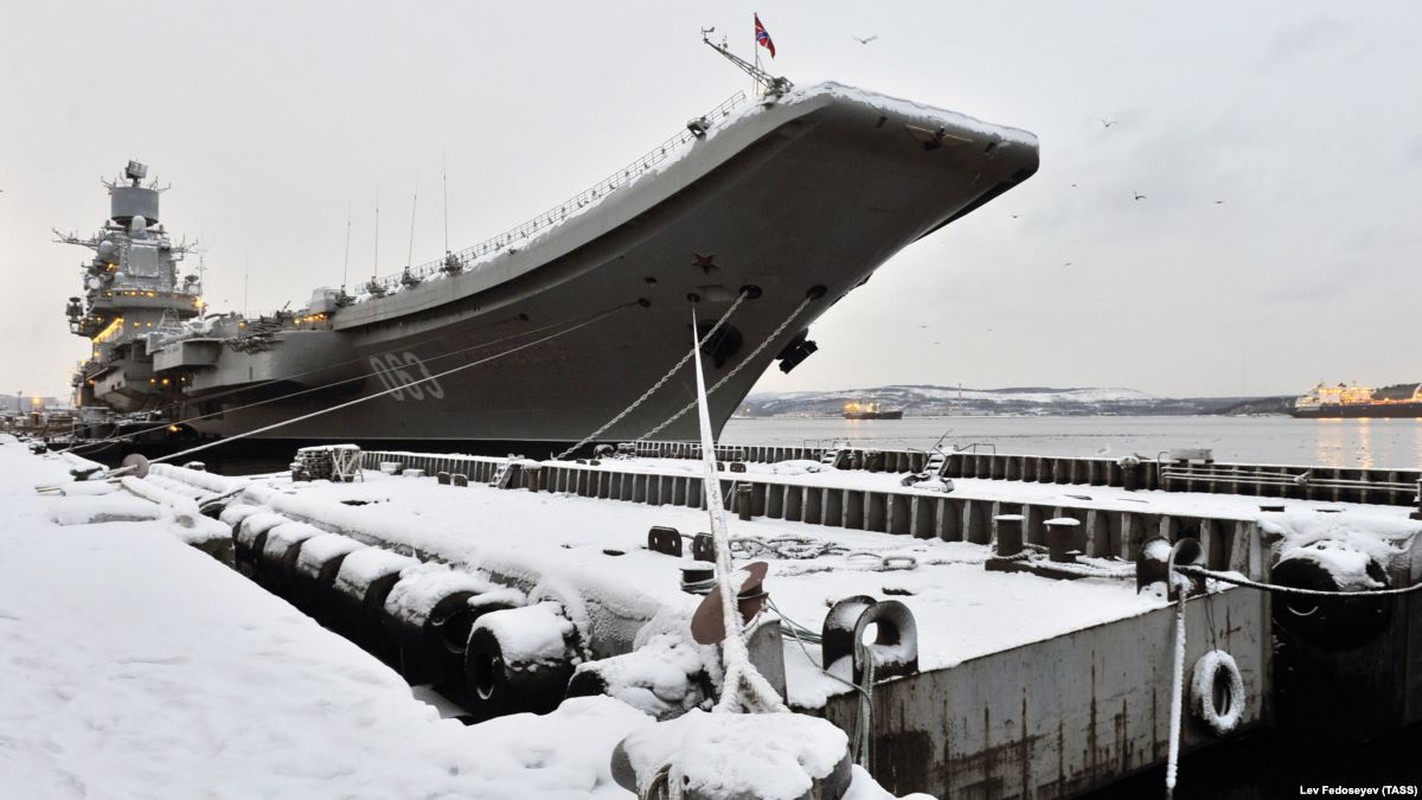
[(575, 327)]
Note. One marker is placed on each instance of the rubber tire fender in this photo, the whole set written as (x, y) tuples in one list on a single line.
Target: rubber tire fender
[(1206, 697)]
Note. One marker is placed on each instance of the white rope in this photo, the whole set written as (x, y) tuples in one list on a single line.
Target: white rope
[(118, 437), (748, 359), (865, 723), (370, 397), (1176, 689), (660, 383), (1279, 589)]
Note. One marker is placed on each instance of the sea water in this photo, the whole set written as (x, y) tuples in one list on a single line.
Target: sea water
[(1255, 766), (1349, 443)]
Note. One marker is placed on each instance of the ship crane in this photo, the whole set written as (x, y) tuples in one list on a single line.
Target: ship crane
[(774, 86)]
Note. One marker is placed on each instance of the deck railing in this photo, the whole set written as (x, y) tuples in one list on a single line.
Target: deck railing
[(561, 211)]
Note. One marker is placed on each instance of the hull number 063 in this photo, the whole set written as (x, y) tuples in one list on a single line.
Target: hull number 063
[(404, 374)]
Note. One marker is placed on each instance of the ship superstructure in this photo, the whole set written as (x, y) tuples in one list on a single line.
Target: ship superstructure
[(857, 410), (1351, 400), (757, 218), (133, 292)]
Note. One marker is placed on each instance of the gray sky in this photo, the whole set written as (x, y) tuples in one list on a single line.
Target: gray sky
[(270, 120)]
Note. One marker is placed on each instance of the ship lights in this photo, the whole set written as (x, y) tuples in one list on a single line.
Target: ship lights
[(112, 330)]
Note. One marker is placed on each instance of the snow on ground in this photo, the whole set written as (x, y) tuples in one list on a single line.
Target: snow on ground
[(135, 666)]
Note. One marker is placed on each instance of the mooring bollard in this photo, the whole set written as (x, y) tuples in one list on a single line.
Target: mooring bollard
[(743, 501), (1062, 546), (1009, 534), (1130, 473)]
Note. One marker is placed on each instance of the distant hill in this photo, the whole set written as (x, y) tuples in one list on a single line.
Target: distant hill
[(920, 400)]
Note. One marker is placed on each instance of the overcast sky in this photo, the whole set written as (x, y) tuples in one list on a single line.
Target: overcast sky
[(271, 120)]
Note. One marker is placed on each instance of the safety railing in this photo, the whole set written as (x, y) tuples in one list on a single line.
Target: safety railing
[(558, 213)]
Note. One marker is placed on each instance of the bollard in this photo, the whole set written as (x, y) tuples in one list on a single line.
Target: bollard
[(1418, 513), (1130, 473), (743, 501), (1009, 534), (1061, 539)]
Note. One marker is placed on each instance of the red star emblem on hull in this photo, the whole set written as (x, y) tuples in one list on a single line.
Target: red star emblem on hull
[(706, 263)]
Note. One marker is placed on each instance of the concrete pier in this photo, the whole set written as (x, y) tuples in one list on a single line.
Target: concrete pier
[(1338, 484), (1057, 695)]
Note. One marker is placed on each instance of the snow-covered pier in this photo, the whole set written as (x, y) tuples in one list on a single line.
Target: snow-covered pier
[(1187, 470), (931, 620)]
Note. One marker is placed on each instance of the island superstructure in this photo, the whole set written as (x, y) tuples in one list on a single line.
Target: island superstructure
[(760, 215)]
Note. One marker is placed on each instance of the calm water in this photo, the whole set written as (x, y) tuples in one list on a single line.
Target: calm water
[(1355, 443)]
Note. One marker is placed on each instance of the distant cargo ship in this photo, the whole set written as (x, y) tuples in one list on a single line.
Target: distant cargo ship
[(869, 411), (1400, 400)]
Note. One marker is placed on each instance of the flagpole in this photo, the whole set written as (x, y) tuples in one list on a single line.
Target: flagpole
[(755, 48)]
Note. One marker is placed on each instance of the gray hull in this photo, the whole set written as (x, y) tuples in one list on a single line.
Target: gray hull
[(804, 198)]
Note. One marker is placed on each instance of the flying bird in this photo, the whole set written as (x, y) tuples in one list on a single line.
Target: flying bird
[(1016, 216), (1219, 202), (1067, 264), (867, 39), (1139, 196), (1106, 123)]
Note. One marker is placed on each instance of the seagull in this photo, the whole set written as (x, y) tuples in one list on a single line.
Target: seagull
[(1219, 202), (867, 39), (1067, 264), (1106, 123), (1139, 196), (1073, 186), (1016, 216)]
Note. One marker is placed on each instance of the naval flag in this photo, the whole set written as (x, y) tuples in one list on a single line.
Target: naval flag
[(762, 38)]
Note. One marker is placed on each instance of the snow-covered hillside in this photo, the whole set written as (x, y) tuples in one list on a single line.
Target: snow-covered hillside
[(943, 400)]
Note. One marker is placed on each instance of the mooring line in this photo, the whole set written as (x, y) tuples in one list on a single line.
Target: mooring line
[(748, 359), (366, 398), (1225, 577), (647, 394), (362, 376)]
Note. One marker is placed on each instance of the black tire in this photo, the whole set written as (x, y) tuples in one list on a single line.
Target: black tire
[(1343, 623), (497, 688)]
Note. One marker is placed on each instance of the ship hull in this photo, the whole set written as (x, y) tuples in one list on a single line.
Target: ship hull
[(1360, 411), (794, 205), (874, 415)]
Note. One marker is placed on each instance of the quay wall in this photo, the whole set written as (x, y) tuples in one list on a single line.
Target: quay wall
[(1230, 543), (1064, 715), (1336, 484)]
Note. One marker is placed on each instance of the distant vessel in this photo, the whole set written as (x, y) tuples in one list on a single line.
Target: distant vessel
[(869, 411), (1399, 400), (571, 327)]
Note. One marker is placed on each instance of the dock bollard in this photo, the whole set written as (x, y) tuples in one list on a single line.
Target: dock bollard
[(1130, 473), (743, 501), (1009, 534), (1062, 544)]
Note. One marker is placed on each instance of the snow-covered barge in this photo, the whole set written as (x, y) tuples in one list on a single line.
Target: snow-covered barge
[(1012, 683)]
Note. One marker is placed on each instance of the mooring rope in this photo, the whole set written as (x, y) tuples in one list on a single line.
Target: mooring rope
[(660, 383), (1177, 689), (866, 698), (1225, 577), (116, 437), (391, 390), (748, 359)]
